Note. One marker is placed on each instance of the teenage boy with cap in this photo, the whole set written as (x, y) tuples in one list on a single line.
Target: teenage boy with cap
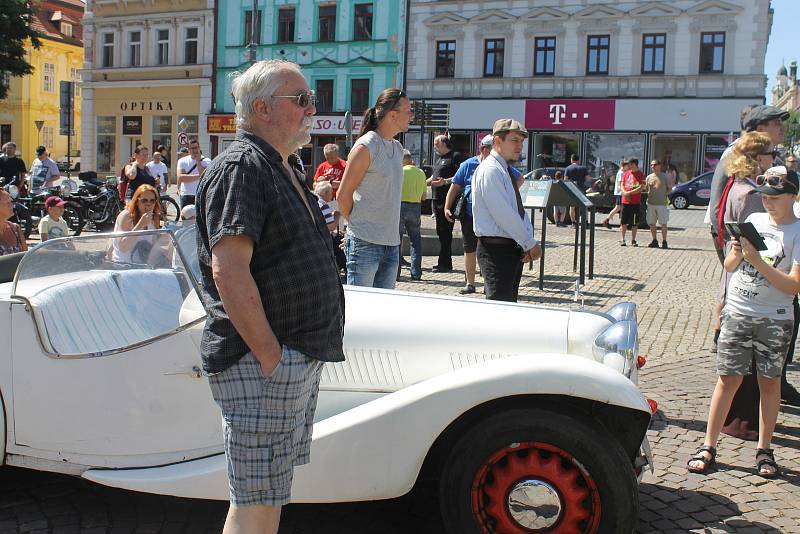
[(53, 224), (505, 234), (44, 171), (757, 318)]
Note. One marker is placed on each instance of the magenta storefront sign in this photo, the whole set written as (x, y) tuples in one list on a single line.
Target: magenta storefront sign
[(569, 114)]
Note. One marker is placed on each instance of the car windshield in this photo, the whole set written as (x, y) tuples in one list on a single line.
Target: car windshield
[(88, 298)]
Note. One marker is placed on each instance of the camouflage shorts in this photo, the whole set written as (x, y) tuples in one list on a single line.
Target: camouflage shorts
[(743, 338)]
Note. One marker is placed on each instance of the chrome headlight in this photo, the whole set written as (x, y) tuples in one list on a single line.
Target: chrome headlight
[(622, 340), (67, 187), (13, 190)]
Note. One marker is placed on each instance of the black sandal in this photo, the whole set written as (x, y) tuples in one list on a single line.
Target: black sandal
[(765, 457), (708, 463)]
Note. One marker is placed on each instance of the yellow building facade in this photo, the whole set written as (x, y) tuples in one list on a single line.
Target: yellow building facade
[(34, 98), (146, 80)]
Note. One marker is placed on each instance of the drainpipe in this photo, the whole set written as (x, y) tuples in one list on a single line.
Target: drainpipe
[(214, 60), (405, 45)]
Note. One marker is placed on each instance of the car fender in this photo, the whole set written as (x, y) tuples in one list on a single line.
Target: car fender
[(376, 450)]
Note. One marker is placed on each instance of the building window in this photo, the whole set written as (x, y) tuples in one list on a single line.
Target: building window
[(48, 77), (597, 54), (47, 138), (162, 132), (108, 50), (248, 27), (493, 57), (654, 47), (445, 59), (324, 92), (362, 24), (106, 143), (712, 52), (66, 29), (286, 25), (76, 79), (327, 23), (162, 47), (190, 47), (359, 95), (134, 49), (544, 56)]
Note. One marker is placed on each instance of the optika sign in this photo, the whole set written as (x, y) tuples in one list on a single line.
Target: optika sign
[(146, 106)]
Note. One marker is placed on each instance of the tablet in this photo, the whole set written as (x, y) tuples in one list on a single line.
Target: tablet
[(747, 230)]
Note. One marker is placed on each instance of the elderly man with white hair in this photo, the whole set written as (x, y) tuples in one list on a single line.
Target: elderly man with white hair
[(332, 169), (271, 287)]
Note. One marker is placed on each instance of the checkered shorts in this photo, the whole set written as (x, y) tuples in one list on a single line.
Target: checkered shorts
[(267, 424)]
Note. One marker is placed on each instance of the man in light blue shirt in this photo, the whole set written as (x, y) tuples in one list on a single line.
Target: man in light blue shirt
[(505, 233)]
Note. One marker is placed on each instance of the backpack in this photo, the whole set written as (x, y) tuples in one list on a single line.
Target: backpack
[(722, 234)]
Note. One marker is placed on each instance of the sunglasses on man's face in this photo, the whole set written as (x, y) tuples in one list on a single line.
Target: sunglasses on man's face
[(303, 100)]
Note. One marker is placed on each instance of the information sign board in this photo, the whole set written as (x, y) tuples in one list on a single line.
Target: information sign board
[(535, 193), (578, 194)]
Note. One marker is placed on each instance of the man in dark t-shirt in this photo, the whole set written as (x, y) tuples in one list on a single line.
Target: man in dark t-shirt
[(577, 172), (440, 180), (11, 167)]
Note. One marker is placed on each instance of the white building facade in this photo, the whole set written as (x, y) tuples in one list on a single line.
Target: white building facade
[(147, 78), (649, 79)]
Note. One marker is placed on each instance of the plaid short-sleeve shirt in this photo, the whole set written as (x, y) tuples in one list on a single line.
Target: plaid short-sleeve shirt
[(246, 191)]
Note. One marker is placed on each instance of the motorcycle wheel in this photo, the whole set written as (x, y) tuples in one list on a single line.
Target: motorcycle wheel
[(74, 219), (170, 212)]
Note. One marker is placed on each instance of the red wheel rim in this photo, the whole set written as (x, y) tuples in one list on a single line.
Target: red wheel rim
[(503, 470)]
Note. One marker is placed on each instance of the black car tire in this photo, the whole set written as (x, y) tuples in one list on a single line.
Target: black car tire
[(680, 202), (578, 458)]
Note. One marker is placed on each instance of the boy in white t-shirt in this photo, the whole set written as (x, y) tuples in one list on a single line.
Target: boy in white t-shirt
[(159, 170), (190, 169), (758, 317), (53, 225)]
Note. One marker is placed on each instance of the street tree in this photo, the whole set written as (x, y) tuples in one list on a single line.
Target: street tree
[(17, 32), (792, 128)]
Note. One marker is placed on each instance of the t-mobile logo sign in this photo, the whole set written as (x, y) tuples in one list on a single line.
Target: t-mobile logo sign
[(559, 111), (571, 114)]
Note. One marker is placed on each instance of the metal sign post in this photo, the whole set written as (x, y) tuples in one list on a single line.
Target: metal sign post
[(67, 117)]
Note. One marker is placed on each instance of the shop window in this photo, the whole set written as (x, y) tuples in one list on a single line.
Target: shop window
[(445, 59), (248, 27), (554, 150), (597, 54), (493, 50), (48, 77), (190, 47), (134, 49), (106, 143), (712, 52), (286, 25), (107, 53), (324, 91), (327, 23), (677, 154), (162, 47), (544, 56), (162, 133), (362, 23), (604, 152), (359, 95), (654, 47), (715, 145)]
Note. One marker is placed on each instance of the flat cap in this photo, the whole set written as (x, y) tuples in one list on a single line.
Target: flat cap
[(508, 125), (761, 114)]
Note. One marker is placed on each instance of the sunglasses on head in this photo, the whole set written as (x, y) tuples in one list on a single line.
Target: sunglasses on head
[(303, 100), (775, 181)]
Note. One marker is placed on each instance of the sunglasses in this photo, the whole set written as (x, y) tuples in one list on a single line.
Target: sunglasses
[(303, 100), (775, 181)]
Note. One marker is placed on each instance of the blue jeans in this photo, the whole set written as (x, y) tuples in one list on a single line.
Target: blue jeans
[(371, 265), (410, 215)]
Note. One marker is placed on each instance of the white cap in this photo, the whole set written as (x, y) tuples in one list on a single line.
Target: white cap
[(488, 140), (188, 212)]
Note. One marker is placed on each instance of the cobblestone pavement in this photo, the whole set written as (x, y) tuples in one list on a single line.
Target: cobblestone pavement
[(674, 290)]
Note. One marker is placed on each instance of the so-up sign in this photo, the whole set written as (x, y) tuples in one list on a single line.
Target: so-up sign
[(333, 125), (570, 114)]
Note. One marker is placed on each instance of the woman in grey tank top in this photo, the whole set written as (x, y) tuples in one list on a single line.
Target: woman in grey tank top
[(369, 195)]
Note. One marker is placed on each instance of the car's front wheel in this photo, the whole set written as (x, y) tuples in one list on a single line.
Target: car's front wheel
[(680, 202), (534, 470)]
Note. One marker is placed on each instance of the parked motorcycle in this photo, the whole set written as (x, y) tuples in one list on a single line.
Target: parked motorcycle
[(72, 210), (98, 201)]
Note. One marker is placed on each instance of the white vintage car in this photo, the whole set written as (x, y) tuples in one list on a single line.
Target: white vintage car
[(529, 416)]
